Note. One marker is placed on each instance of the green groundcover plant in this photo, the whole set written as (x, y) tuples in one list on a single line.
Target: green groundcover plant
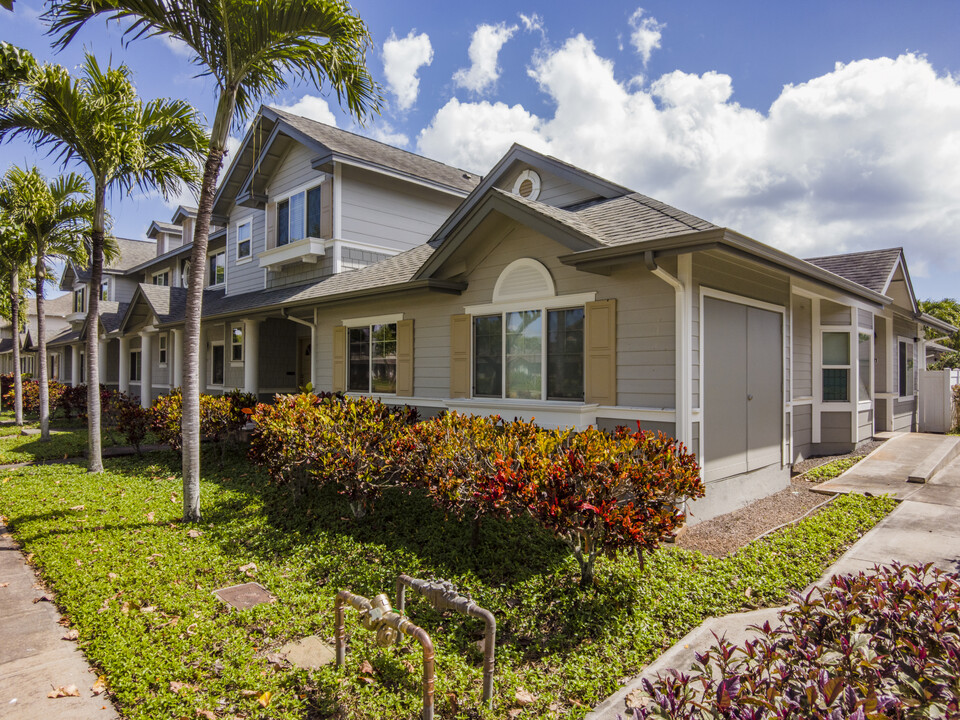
[(137, 585), (878, 645)]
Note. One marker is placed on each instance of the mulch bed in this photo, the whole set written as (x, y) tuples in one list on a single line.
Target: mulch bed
[(728, 533)]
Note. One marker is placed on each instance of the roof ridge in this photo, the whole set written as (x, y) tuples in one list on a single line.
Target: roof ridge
[(373, 140), (856, 252)]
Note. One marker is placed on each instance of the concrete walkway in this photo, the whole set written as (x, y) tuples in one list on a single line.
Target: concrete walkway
[(924, 528), (34, 659)]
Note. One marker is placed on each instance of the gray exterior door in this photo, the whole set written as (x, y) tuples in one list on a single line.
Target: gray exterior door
[(742, 388)]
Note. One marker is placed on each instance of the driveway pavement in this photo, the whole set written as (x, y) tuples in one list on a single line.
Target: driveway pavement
[(924, 528)]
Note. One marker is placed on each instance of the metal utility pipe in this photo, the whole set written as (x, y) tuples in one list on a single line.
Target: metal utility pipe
[(380, 617), (444, 596)]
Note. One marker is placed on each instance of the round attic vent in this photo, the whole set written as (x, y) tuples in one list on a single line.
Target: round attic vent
[(527, 185)]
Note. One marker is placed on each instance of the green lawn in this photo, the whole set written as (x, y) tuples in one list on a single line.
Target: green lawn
[(832, 469), (68, 439), (138, 588)]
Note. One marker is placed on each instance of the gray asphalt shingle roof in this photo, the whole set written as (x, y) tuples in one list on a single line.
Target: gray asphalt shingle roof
[(167, 303), (364, 148), (870, 269)]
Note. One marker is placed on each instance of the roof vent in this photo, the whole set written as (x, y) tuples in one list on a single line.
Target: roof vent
[(527, 185)]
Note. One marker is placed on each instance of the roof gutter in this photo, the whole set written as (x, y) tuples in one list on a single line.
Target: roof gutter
[(714, 239), (936, 323)]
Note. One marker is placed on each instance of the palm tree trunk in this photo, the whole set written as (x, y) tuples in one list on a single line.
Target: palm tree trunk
[(15, 317), (94, 455), (190, 418), (40, 272)]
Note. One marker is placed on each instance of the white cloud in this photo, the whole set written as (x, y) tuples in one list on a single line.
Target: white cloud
[(864, 156), (402, 59), (532, 22), (646, 34), (484, 50), (177, 47), (312, 107)]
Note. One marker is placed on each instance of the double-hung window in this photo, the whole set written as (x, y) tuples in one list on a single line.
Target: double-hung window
[(244, 242), (372, 357), (517, 355), (217, 268), (105, 290), (836, 366), (162, 278), (236, 343), (865, 366), (298, 216), (80, 300), (162, 349), (905, 367)]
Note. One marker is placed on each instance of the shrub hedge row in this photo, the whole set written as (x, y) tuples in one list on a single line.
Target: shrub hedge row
[(596, 491)]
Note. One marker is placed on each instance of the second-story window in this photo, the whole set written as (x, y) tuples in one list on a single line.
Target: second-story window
[(243, 240), (218, 268), (162, 278), (80, 300), (185, 274), (298, 216), (104, 290)]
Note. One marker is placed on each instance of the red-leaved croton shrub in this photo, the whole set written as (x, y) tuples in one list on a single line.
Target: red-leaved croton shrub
[(878, 645), (360, 445), (220, 419), (31, 394)]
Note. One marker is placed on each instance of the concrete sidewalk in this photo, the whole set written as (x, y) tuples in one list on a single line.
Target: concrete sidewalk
[(921, 530), (34, 659)]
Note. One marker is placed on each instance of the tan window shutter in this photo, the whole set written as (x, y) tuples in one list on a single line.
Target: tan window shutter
[(271, 226), (405, 358), (459, 356), (600, 355), (339, 359), (326, 210)]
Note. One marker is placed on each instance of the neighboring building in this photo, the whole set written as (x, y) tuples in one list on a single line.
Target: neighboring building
[(538, 291), (56, 311)]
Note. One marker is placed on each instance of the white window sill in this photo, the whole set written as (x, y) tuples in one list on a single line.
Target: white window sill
[(244, 260), (218, 286), (236, 363), (308, 250)]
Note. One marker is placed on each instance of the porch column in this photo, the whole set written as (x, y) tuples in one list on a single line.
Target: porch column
[(146, 368), (251, 356), (315, 350), (102, 361), (123, 372), (74, 365), (175, 353)]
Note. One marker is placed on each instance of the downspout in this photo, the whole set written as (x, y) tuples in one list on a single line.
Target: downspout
[(680, 285), (314, 337)]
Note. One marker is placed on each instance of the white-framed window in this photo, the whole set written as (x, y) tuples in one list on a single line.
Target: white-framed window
[(162, 278), (53, 365), (217, 268), (836, 366), (80, 300), (185, 273), (517, 355), (83, 367), (136, 366), (906, 362), (298, 216), (372, 358), (215, 369), (244, 240), (162, 349), (105, 290), (236, 343), (26, 364)]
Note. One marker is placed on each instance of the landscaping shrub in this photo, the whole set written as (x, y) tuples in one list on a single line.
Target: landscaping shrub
[(165, 419), (876, 645), (955, 392), (359, 444), (73, 401), (221, 417), (130, 419), (240, 401), (832, 469)]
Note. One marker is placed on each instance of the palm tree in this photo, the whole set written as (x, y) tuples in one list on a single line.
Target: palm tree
[(252, 48), (123, 143), (16, 67), (14, 260), (55, 217)]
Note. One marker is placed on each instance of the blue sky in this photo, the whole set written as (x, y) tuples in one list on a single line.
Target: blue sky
[(816, 127)]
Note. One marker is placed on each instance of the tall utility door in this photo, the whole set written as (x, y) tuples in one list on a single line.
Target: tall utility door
[(742, 368)]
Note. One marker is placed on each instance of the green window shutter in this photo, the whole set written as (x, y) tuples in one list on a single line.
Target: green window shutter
[(459, 356), (339, 359), (600, 353), (405, 358)]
